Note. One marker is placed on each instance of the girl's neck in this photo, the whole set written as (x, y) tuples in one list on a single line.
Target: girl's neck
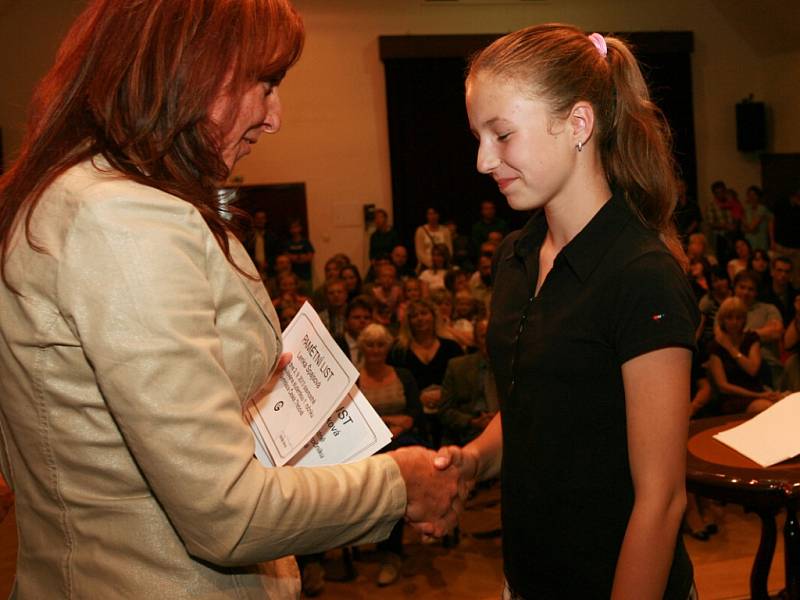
[(580, 200)]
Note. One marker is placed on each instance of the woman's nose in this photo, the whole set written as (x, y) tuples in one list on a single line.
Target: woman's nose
[(272, 120)]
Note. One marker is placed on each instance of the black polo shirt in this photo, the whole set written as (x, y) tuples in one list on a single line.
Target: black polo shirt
[(614, 293)]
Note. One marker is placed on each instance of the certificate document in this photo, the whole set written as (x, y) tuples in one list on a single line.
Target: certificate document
[(315, 414)]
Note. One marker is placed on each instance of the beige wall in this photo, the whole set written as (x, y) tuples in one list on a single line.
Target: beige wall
[(334, 134)]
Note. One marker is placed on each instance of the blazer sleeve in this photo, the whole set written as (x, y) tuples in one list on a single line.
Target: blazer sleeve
[(133, 284)]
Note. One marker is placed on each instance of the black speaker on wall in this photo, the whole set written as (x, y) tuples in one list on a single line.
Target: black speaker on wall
[(751, 126)]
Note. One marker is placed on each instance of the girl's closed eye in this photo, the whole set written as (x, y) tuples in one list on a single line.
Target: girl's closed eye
[(503, 136)]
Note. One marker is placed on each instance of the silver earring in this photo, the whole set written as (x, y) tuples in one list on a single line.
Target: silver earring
[(579, 146)]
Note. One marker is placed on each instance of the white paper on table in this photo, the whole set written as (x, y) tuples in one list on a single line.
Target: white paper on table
[(769, 437), (312, 385), (352, 432)]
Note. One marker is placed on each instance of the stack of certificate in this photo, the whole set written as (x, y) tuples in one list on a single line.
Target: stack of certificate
[(315, 415)]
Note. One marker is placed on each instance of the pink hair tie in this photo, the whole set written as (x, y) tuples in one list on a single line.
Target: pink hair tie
[(600, 43)]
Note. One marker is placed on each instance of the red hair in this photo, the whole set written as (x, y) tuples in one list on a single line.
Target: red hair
[(134, 81), (561, 65)]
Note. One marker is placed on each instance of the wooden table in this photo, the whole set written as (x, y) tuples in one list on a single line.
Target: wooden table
[(718, 472)]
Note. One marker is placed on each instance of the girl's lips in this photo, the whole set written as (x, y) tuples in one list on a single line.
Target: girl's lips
[(505, 182)]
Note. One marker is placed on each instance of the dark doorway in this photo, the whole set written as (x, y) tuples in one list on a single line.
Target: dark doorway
[(432, 150)]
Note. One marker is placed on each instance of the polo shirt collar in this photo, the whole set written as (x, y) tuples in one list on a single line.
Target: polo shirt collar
[(585, 251)]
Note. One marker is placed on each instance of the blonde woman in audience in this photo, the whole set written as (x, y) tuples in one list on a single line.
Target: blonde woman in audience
[(735, 362), (393, 393), (412, 291), (697, 247)]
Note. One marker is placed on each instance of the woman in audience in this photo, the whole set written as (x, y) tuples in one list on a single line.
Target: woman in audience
[(757, 220), (352, 281), (427, 236), (735, 362), (420, 350), (699, 276), (412, 291), (592, 323), (445, 327), (697, 247), (743, 252), (288, 293), (759, 264), (393, 393), (135, 326), (433, 276)]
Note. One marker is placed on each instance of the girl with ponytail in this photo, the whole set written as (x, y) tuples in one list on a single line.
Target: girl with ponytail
[(592, 327)]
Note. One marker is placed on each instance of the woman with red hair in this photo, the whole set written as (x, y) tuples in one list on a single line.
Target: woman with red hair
[(135, 327)]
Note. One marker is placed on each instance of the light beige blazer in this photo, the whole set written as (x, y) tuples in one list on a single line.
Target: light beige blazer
[(124, 365)]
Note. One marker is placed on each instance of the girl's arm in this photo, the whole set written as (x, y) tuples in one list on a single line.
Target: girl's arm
[(657, 407)]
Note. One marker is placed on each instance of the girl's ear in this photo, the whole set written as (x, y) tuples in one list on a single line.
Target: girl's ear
[(581, 122)]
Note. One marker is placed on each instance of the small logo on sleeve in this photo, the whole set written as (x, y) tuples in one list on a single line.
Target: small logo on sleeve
[(658, 317)]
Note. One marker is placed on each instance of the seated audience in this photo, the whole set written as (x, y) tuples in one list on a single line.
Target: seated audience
[(697, 247), (288, 292), (786, 232), (699, 276), (427, 236), (781, 293), (300, 250), (433, 276), (709, 305), (399, 258), (791, 373), (374, 265), (488, 223), (442, 300), (333, 269), (757, 219), (735, 362), (759, 264), (763, 319), (352, 281), (456, 280), (333, 316), (386, 289), (412, 291), (469, 393), (462, 253), (480, 284), (426, 355), (393, 393), (742, 251), (357, 316), (262, 244)]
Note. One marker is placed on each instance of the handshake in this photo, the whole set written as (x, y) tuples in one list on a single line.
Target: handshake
[(437, 485)]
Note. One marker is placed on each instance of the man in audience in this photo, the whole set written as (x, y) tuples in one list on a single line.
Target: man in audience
[(488, 222), (480, 284), (384, 238), (301, 251), (782, 293), (333, 316), (357, 316), (399, 258), (763, 319), (469, 393), (787, 232)]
